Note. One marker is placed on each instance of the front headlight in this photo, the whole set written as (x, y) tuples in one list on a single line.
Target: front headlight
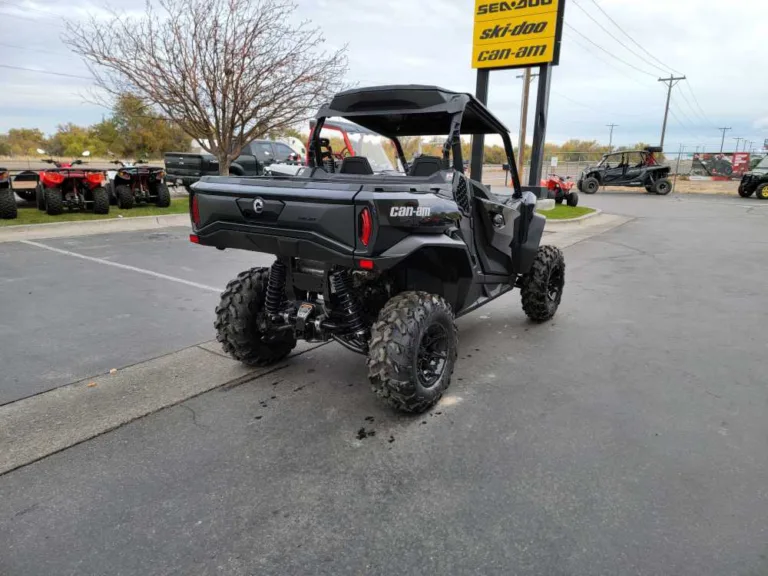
[(4, 175)]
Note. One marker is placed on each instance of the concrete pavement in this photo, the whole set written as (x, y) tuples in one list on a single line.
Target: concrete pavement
[(627, 436)]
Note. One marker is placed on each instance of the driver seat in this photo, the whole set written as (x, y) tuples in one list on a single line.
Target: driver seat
[(425, 166)]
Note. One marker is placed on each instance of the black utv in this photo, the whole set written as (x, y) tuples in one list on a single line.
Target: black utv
[(638, 168), (381, 263), (755, 181)]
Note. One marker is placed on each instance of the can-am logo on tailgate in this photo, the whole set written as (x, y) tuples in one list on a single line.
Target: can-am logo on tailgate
[(405, 211)]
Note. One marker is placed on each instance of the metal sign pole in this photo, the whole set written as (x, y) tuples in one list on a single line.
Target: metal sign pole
[(540, 125), (478, 140)]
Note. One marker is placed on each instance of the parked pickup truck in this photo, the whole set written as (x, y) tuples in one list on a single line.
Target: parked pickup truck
[(255, 157)]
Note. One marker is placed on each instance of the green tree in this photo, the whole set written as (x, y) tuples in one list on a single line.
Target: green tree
[(25, 141)]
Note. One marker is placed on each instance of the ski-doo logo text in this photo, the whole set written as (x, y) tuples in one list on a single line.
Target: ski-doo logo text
[(494, 7), (406, 211), (523, 29)]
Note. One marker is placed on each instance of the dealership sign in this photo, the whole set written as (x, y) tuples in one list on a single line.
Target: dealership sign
[(517, 33)]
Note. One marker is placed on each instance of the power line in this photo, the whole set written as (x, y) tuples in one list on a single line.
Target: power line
[(690, 106), (610, 53), (36, 20), (635, 42), (688, 119), (45, 72), (696, 100), (32, 49), (604, 29), (27, 8)]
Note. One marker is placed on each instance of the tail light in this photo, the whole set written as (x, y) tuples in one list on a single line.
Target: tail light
[(365, 226), (53, 178), (4, 175), (195, 210), (95, 177)]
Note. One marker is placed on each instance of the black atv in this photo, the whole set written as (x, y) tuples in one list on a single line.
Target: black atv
[(755, 181), (383, 264), (132, 184), (8, 210), (638, 168)]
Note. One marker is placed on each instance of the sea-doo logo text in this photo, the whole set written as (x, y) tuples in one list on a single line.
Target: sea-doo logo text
[(258, 205), (495, 7), (523, 29), (405, 211)]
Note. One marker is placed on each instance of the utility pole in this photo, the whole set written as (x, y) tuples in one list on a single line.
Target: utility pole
[(671, 82), (738, 141), (722, 142), (610, 141), (527, 79)]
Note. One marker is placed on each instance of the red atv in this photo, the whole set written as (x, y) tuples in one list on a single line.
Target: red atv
[(68, 187), (561, 189)]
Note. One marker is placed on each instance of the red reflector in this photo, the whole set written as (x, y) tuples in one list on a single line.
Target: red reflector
[(366, 226), (366, 264), (195, 210), (194, 239)]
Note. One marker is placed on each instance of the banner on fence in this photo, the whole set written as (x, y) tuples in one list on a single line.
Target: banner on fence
[(721, 166)]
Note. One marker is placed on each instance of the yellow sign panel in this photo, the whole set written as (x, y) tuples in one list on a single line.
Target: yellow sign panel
[(516, 33)]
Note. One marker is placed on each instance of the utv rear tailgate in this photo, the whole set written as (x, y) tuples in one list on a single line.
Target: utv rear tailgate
[(296, 218)]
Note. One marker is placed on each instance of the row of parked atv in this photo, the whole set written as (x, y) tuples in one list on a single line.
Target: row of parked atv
[(71, 186)]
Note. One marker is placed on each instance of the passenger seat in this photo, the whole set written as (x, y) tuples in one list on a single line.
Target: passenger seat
[(425, 166), (356, 165)]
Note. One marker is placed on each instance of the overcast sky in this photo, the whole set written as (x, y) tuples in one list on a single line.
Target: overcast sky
[(718, 45)]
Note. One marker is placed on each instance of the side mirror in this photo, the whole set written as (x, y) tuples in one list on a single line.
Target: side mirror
[(86, 154), (41, 151)]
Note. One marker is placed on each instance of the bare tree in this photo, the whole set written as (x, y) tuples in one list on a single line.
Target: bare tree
[(226, 71)]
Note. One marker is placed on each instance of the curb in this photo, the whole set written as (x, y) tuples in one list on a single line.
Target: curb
[(578, 220), (91, 227)]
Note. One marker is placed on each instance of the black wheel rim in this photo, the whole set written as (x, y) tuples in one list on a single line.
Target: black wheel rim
[(555, 284), (433, 355)]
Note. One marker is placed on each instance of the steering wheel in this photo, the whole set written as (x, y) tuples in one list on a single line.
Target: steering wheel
[(345, 153)]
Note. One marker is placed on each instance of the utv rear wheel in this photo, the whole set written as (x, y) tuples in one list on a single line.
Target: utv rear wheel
[(237, 322), (40, 197), (412, 351), (573, 199), (543, 285), (111, 192), (124, 197), (54, 202), (662, 186), (744, 193), (163, 196), (762, 192), (100, 201), (590, 185), (8, 210)]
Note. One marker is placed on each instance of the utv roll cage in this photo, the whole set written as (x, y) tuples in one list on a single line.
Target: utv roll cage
[(414, 110)]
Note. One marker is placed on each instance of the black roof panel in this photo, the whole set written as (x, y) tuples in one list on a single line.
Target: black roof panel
[(412, 110)]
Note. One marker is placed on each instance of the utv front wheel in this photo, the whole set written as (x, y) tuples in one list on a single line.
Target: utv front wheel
[(100, 201), (163, 196), (124, 197), (762, 192), (744, 193), (662, 186), (543, 285), (412, 351), (237, 322), (590, 186), (8, 210)]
